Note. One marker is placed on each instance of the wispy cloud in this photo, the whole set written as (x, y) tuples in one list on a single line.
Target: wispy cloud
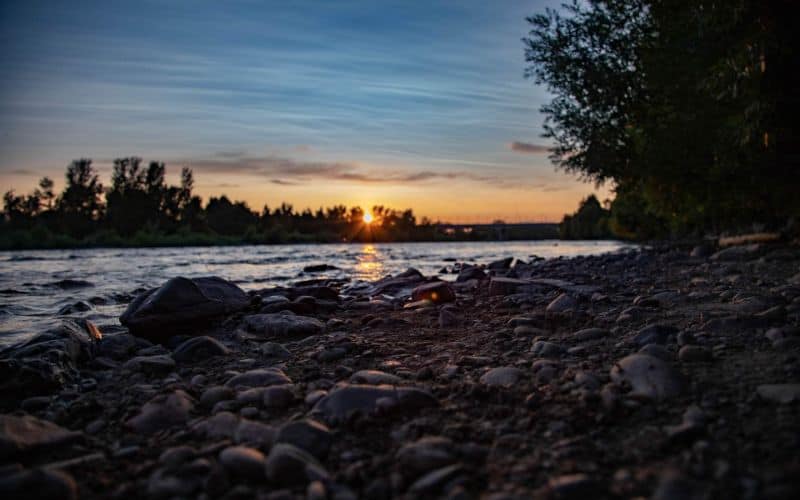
[(288, 171), (528, 148)]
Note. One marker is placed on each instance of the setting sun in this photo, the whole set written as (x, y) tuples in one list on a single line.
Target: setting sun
[(368, 218)]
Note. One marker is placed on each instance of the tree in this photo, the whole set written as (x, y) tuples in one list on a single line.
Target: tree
[(80, 204), (675, 103)]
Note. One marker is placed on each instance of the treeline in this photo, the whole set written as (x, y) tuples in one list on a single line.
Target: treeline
[(140, 209), (591, 221), (687, 107)]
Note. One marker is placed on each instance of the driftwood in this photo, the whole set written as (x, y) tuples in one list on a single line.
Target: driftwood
[(746, 239)]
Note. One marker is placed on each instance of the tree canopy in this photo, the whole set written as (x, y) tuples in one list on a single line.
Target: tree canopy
[(685, 106)]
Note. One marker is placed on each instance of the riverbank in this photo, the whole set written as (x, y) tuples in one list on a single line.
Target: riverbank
[(656, 372)]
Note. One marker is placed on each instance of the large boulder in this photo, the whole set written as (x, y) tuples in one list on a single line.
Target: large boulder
[(181, 304), (44, 363)]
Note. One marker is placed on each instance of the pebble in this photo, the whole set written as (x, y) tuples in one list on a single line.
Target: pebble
[(160, 364), (199, 349), (162, 412), (214, 395), (649, 377), (243, 461), (278, 396), (24, 434), (289, 465), (562, 304), (341, 403), (426, 454), (261, 377), (502, 376), (38, 484), (374, 377), (282, 325), (309, 435)]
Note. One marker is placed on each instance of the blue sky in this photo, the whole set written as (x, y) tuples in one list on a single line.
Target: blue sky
[(400, 103)]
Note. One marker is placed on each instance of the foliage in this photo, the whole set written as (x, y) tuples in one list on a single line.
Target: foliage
[(686, 106), (140, 209), (590, 222)]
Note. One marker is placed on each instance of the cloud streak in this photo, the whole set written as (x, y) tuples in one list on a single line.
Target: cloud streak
[(290, 172), (528, 148)]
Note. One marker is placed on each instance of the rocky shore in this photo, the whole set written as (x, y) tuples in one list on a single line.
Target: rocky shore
[(665, 373)]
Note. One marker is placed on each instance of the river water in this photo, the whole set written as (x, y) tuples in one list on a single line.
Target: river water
[(36, 285)]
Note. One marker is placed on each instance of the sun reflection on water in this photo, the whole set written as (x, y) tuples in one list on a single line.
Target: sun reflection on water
[(369, 265)]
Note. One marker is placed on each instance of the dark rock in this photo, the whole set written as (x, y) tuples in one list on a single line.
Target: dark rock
[(309, 435), (162, 412), (438, 292), (198, 349), (44, 363), (547, 349), (289, 465), (214, 395), (470, 273), (504, 286), (590, 334), (159, 364), (282, 325), (19, 435), (276, 351), (500, 265), (562, 304), (278, 396), (318, 268), (435, 480), (694, 354), (181, 305), (70, 284), (120, 346), (573, 486), (347, 400), (38, 484), (243, 461), (74, 308), (675, 486), (426, 454), (654, 334)]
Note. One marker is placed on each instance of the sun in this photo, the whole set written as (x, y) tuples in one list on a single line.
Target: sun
[(368, 218)]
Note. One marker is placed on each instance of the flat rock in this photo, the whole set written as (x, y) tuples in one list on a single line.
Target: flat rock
[(182, 305), (282, 325), (346, 400), (29, 434), (261, 377), (502, 376), (162, 412), (374, 377), (648, 377), (590, 334)]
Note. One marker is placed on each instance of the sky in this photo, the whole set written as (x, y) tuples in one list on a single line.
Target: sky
[(406, 104)]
